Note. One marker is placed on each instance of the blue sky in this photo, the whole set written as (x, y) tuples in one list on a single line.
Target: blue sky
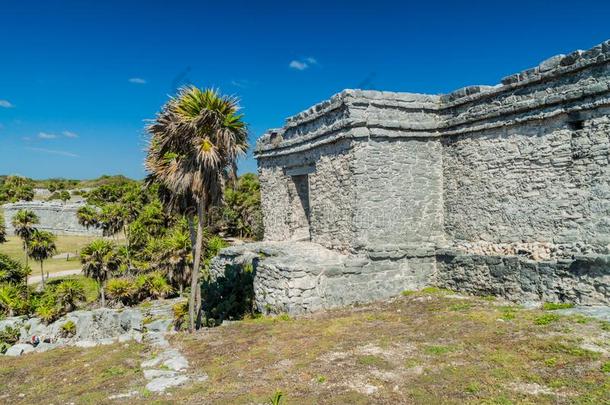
[(78, 79)]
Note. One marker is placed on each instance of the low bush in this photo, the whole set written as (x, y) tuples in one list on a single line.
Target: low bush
[(552, 306), (230, 296), (68, 329), (153, 285), (123, 290), (12, 271), (181, 315)]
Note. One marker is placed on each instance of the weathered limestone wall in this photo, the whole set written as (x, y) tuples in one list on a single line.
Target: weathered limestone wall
[(399, 189), (538, 182), (55, 217), (330, 195), (298, 277), (582, 280)]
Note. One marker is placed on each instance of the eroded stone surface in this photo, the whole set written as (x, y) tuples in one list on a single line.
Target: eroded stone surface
[(516, 173)]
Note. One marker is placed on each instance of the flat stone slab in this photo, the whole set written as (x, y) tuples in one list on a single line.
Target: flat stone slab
[(600, 312), (19, 349), (162, 383)]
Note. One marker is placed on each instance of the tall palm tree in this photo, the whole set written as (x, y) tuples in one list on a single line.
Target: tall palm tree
[(23, 224), (41, 247), (87, 216), (99, 259), (195, 141)]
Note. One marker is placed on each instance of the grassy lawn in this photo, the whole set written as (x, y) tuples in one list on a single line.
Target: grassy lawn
[(423, 348), (65, 244)]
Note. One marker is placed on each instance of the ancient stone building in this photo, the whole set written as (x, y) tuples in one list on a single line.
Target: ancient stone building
[(54, 216), (490, 189)]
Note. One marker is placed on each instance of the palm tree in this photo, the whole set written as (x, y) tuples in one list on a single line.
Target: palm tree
[(195, 142), (42, 247), (174, 257), (11, 298), (99, 259), (23, 224), (69, 293), (87, 216), (2, 230)]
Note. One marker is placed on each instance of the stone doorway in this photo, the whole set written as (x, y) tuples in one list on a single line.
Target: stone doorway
[(300, 211)]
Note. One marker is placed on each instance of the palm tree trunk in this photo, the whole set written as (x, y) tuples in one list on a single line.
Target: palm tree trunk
[(193, 235), (25, 244), (41, 275), (193, 302), (102, 294)]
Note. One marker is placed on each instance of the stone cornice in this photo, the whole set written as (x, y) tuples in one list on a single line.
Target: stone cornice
[(533, 94)]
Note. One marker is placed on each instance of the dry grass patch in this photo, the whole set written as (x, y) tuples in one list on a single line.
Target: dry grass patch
[(423, 348), (71, 375)]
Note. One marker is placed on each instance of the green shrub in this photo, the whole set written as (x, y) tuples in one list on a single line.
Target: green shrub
[(153, 285), (123, 290), (48, 313), (12, 271), (551, 306), (606, 367), (8, 337), (181, 315), (546, 319), (230, 296), (68, 294), (68, 329)]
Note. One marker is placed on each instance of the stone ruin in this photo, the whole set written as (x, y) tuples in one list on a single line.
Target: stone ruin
[(500, 190), (56, 217)]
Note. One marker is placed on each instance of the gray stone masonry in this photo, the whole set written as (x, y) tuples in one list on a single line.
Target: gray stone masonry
[(55, 217), (513, 178)]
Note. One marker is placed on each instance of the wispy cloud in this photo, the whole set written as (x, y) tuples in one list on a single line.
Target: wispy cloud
[(241, 83), (6, 104), (302, 64), (137, 80), (70, 134), (46, 135), (54, 152)]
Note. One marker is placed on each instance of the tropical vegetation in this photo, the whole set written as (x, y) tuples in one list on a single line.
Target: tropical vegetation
[(24, 222), (195, 141)]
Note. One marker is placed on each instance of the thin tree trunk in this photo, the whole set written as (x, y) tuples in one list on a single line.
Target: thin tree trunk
[(102, 294), (25, 243), (193, 235), (193, 302), (41, 275)]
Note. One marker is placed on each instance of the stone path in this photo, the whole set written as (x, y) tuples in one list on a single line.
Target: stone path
[(37, 279), (168, 368)]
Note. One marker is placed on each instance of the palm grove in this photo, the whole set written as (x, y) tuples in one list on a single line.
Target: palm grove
[(160, 234)]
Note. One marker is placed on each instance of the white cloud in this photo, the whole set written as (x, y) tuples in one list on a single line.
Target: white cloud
[(137, 80), (6, 104), (70, 134), (46, 135), (53, 152), (303, 64), (298, 65)]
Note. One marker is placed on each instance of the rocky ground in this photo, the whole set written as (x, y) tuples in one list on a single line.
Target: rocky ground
[(424, 347)]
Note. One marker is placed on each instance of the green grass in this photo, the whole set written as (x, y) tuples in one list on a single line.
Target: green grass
[(552, 306), (65, 244), (546, 319), (373, 361)]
